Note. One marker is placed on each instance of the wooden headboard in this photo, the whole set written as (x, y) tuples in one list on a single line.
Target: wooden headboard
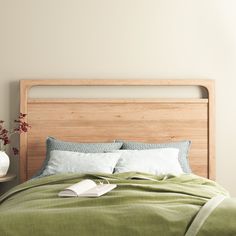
[(101, 120)]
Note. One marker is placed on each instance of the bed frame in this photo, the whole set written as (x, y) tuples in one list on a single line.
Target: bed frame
[(103, 120)]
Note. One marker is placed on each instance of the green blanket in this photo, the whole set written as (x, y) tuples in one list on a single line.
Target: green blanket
[(149, 206)]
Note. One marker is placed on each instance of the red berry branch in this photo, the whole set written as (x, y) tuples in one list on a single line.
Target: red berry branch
[(5, 135)]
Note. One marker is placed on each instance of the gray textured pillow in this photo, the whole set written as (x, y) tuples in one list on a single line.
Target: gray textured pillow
[(183, 147), (54, 144)]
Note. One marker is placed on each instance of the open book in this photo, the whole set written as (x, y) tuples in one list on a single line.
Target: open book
[(86, 188)]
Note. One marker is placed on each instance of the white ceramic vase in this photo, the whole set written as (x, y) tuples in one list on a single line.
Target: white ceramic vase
[(4, 163)]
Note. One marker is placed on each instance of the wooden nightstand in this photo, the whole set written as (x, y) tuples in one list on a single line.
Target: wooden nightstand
[(7, 178), (4, 179)]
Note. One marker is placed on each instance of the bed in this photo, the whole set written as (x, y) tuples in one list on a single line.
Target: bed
[(143, 203)]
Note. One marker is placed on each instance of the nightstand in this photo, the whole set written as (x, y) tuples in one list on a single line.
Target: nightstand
[(7, 178), (4, 179)]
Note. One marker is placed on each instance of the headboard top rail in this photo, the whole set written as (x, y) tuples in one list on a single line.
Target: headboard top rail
[(117, 82)]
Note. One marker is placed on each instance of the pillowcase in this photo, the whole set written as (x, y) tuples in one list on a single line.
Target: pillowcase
[(183, 147), (76, 162), (54, 144), (162, 161)]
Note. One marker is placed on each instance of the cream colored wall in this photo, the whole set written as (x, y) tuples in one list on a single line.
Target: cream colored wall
[(124, 39)]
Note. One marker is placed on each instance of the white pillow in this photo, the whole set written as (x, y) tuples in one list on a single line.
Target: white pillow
[(162, 161), (76, 162)]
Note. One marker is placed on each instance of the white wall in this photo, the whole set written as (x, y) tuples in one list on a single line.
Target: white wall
[(124, 39)]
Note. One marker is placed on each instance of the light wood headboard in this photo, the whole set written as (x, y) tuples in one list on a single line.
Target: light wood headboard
[(101, 120)]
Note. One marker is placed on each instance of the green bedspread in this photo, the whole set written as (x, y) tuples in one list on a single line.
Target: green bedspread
[(136, 207)]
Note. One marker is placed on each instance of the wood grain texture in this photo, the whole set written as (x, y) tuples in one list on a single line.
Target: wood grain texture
[(102, 120)]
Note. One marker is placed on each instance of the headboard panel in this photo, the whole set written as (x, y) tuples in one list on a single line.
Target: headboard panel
[(101, 120)]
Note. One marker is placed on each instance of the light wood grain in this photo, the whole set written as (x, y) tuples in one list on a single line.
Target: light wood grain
[(117, 82), (102, 120)]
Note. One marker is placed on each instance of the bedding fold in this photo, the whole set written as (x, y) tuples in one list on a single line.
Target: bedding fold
[(203, 214)]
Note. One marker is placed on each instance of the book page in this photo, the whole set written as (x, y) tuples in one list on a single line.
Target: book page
[(98, 190), (82, 186)]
